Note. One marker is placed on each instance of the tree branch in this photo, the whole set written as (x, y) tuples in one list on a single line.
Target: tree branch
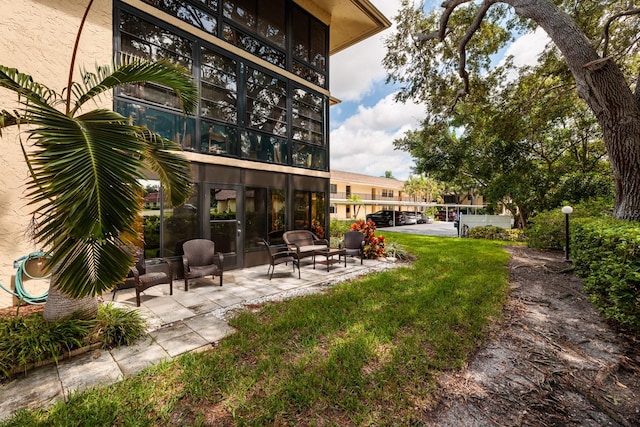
[(449, 6), (605, 30), (462, 47)]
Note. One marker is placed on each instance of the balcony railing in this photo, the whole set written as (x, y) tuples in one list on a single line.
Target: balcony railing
[(368, 196)]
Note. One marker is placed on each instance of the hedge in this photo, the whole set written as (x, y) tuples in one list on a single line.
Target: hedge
[(606, 254)]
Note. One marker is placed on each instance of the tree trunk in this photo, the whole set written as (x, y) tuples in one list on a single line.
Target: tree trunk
[(603, 86), (60, 306)]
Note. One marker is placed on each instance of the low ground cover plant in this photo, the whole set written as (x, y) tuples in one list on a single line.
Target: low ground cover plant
[(26, 340), (364, 352)]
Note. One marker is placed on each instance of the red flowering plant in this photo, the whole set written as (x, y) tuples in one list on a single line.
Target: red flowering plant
[(317, 229), (373, 245)]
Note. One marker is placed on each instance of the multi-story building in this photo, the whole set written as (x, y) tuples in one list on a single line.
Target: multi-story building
[(258, 144), (354, 195)]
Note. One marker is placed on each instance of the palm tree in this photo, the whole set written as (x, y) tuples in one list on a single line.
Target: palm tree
[(85, 168)]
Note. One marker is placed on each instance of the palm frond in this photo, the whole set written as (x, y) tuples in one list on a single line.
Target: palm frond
[(162, 157), (7, 119), (137, 70), (89, 267), (87, 170), (25, 86)]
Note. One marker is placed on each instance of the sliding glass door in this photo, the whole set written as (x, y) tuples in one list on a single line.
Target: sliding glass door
[(223, 221)]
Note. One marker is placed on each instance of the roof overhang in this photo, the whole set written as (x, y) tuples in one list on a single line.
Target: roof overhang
[(350, 21)]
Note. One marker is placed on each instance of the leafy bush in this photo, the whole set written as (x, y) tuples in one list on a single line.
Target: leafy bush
[(546, 229), (118, 327), (337, 228), (30, 339), (606, 253), (373, 245), (396, 251), (25, 340), (491, 232)]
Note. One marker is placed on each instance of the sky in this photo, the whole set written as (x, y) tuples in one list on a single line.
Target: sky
[(364, 125)]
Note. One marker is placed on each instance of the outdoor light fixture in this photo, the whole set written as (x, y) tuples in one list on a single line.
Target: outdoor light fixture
[(566, 210)]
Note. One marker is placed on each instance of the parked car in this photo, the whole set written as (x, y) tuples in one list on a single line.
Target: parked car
[(423, 218), (386, 217), (410, 218)]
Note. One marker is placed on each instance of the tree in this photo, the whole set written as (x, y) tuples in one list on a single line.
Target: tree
[(422, 188), (468, 32), (86, 166), (357, 203), (513, 150)]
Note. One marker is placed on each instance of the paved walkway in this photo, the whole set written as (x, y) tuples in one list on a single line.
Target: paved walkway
[(183, 322)]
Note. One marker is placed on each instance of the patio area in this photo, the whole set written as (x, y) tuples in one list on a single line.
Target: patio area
[(178, 323)]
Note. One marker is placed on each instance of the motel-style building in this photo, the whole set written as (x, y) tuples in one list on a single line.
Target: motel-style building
[(259, 142)]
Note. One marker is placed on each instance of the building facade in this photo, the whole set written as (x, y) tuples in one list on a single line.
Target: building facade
[(258, 143), (353, 195)]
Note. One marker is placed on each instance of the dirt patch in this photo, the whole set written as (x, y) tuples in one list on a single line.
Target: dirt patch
[(23, 310), (552, 361)]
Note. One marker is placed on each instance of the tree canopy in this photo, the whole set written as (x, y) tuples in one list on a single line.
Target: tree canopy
[(524, 134)]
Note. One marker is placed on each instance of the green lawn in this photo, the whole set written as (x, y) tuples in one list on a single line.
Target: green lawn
[(366, 352)]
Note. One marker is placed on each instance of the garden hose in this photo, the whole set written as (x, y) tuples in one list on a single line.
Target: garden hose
[(20, 292)]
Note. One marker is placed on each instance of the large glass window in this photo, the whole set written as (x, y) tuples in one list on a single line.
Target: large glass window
[(266, 148), (307, 113), (260, 28), (151, 218), (309, 212), (143, 39), (264, 18), (266, 102), (265, 216), (309, 47), (173, 126), (218, 139), (179, 225), (200, 16), (244, 111), (218, 87)]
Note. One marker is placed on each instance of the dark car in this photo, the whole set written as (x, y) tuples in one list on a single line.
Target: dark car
[(386, 217)]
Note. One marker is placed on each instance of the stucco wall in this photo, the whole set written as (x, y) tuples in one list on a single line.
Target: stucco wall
[(37, 38)]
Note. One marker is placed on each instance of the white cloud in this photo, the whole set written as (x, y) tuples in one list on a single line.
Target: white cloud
[(363, 143), (356, 70), (526, 49)]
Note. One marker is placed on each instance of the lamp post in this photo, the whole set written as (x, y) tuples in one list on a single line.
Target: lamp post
[(566, 210)]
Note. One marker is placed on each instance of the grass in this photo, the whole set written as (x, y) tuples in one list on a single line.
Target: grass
[(367, 352)]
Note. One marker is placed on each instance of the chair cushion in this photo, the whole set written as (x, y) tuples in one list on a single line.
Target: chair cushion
[(311, 248), (204, 270), (151, 279)]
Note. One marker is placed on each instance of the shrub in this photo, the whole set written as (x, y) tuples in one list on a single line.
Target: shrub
[(491, 232), (25, 340), (546, 229), (373, 245), (118, 327), (606, 253), (395, 251)]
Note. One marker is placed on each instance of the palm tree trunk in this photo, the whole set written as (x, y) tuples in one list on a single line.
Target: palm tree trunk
[(60, 306)]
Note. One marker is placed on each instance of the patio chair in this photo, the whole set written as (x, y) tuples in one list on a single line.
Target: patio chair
[(280, 255), (354, 244), (141, 280), (200, 259)]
